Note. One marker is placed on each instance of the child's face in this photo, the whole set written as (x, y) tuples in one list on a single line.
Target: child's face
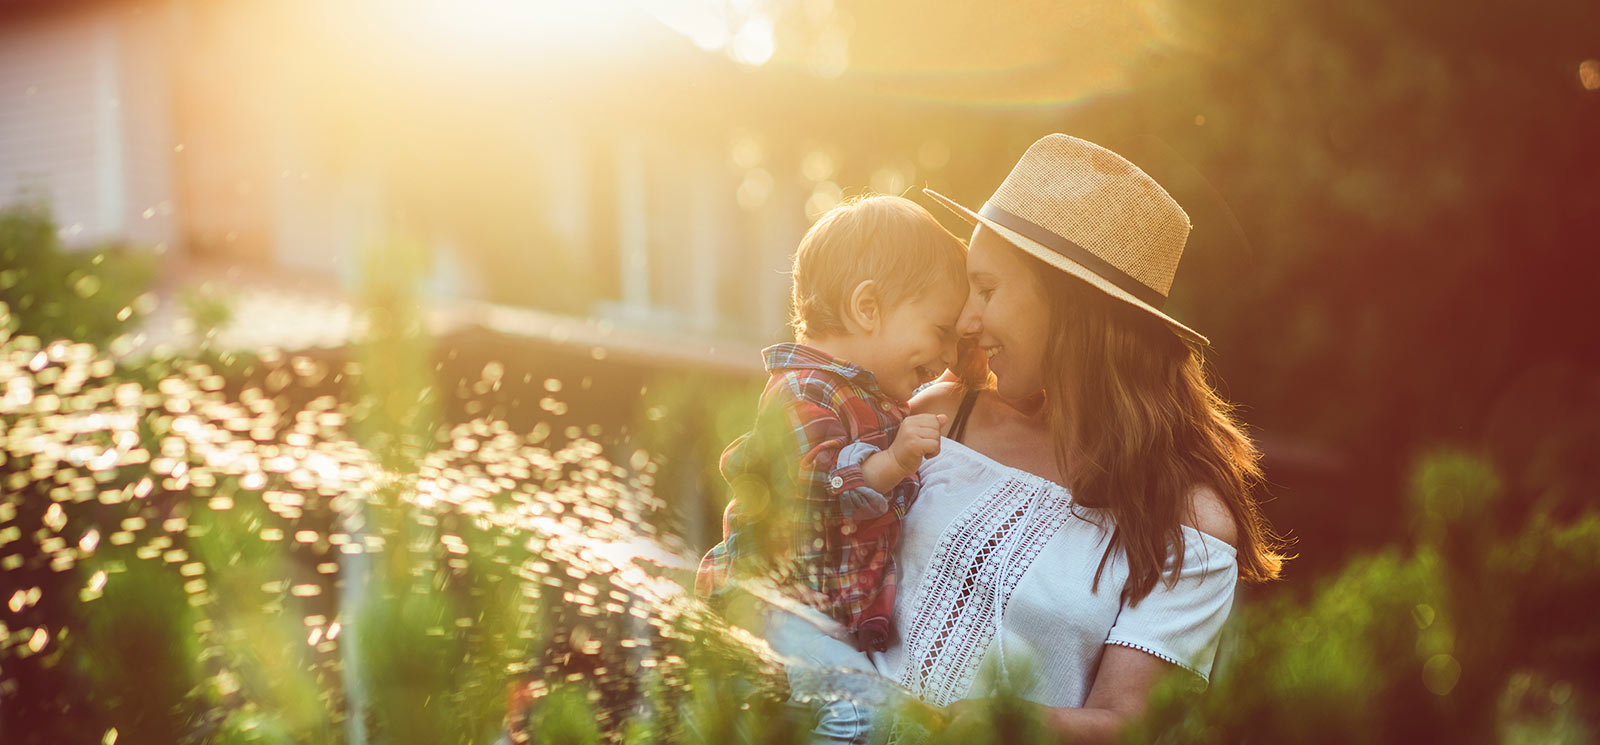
[(917, 339)]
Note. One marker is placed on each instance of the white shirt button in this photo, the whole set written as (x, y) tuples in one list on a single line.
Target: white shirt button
[(884, 405), (836, 482)]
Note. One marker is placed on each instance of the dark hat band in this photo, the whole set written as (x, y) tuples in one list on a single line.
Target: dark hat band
[(1043, 236)]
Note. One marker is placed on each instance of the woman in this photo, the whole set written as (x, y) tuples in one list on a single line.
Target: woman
[(1091, 512)]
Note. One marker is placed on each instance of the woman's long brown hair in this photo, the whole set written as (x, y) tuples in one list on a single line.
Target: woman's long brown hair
[(1138, 428)]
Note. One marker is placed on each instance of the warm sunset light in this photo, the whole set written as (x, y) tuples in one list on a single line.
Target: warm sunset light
[(784, 372), (496, 27)]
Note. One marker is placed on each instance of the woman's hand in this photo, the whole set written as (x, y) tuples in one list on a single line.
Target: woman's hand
[(968, 711), (975, 720), (967, 720), (978, 719)]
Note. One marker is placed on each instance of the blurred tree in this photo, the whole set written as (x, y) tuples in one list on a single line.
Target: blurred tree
[(1414, 191)]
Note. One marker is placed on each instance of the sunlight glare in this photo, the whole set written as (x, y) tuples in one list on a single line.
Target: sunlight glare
[(701, 22), (754, 44), (490, 24)]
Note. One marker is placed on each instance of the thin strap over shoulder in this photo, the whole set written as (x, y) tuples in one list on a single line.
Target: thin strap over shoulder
[(958, 426)]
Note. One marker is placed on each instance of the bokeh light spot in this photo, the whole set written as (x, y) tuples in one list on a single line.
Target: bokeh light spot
[(1589, 74), (1441, 673)]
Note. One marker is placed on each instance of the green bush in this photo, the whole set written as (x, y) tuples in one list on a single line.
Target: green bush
[(84, 295), (1469, 637)]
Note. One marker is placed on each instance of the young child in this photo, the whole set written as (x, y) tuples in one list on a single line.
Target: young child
[(822, 482)]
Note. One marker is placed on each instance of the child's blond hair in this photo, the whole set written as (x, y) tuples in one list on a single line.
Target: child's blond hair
[(890, 240)]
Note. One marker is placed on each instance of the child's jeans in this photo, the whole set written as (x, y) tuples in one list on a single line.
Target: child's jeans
[(819, 681)]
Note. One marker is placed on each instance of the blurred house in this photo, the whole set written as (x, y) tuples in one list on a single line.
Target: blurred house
[(86, 118), (626, 176), (607, 191)]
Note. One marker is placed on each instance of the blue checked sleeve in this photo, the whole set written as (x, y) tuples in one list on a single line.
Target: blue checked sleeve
[(859, 502)]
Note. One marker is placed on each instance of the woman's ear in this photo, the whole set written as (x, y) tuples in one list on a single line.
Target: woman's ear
[(863, 311)]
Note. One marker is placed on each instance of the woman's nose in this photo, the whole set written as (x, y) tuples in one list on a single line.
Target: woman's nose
[(970, 322)]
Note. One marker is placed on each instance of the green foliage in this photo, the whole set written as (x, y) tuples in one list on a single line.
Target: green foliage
[(271, 684), (1470, 638), (686, 416), (139, 652), (58, 294), (206, 307), (398, 411), (566, 718)]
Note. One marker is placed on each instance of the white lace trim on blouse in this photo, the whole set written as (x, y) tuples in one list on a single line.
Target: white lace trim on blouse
[(969, 578)]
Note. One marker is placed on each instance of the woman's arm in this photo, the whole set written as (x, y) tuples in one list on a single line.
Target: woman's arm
[(942, 397), (1118, 697), (1120, 692)]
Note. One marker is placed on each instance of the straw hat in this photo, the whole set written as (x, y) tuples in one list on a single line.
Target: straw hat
[(1090, 213)]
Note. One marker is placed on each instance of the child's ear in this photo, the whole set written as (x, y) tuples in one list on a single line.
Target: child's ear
[(863, 309)]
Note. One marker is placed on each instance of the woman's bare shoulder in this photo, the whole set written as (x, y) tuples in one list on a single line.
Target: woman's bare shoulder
[(1210, 515), (943, 397)]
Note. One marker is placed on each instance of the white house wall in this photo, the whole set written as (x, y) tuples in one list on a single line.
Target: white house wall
[(84, 122), (563, 159), (145, 40), (48, 120)]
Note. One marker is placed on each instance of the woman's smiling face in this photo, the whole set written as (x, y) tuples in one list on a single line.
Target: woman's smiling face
[(1008, 313)]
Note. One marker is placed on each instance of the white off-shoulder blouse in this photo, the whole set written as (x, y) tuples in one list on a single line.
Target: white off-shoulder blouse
[(996, 570)]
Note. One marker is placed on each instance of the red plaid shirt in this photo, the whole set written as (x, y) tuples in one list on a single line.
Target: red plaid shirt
[(785, 518)]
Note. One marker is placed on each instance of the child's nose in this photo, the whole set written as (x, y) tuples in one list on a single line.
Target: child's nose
[(950, 353)]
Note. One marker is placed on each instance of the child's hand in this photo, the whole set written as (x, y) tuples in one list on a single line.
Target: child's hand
[(918, 438)]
